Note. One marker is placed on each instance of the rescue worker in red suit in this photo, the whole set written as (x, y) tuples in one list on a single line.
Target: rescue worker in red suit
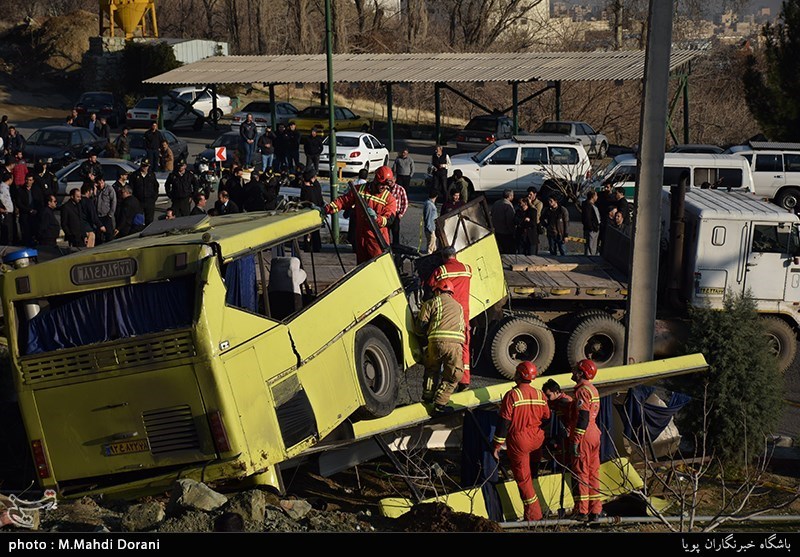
[(584, 439), (460, 275), (524, 415), (381, 208)]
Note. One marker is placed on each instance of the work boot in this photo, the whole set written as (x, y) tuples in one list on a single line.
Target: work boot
[(442, 409), (594, 517)]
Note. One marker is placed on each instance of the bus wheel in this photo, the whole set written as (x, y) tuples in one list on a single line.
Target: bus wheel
[(600, 338), (518, 340), (377, 373), (781, 340)]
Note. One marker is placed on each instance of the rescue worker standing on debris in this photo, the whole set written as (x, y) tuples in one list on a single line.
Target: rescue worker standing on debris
[(524, 415), (381, 208), (441, 320), (584, 439), (460, 274)]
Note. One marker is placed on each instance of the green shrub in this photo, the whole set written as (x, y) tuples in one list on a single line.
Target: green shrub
[(744, 385), (145, 60)]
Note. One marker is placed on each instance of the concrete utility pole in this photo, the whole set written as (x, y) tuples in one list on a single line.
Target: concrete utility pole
[(647, 203), (331, 120)]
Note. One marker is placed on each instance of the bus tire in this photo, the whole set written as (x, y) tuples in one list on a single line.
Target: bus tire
[(600, 338), (378, 373), (781, 339), (517, 340)]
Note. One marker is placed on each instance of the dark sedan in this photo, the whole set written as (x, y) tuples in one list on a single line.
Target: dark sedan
[(229, 140), (62, 144), (180, 149), (104, 104)]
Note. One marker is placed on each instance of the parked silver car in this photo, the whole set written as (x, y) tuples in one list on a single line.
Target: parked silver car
[(595, 143), (262, 114), (68, 178)]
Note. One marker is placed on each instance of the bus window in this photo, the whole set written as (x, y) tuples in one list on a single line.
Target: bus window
[(73, 320)]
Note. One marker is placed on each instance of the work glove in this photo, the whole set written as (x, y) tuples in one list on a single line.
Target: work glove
[(576, 451), (371, 212), (323, 215)]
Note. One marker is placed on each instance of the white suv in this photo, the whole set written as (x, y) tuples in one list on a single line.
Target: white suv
[(523, 161), (204, 102), (776, 170)]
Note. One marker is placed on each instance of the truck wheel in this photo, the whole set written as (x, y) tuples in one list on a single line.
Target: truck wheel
[(782, 341), (377, 373), (788, 198), (517, 340), (600, 338), (216, 115)]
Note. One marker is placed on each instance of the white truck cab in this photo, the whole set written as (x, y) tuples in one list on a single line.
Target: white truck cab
[(735, 242)]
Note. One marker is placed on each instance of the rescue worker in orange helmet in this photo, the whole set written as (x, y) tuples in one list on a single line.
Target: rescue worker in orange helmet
[(441, 319), (524, 416), (584, 442), (381, 208), (460, 274)]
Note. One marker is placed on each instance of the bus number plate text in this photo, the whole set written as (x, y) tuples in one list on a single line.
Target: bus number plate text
[(91, 273), (126, 447)]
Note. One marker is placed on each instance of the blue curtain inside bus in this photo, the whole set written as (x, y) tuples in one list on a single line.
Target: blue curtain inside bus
[(240, 283), (105, 315), (644, 422)]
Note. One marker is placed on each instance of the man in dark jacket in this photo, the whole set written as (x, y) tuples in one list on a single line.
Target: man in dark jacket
[(45, 179), (622, 205), (200, 201), (90, 169), (180, 186), (590, 216), (266, 146), (152, 142), (49, 228), (235, 186), (71, 220), (281, 149), (311, 191), (92, 227), (131, 215), (224, 204), (145, 188), (253, 195), (555, 220), (293, 139), (247, 138), (312, 145), (29, 202)]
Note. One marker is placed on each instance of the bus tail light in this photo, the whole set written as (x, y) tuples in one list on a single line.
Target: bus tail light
[(39, 459), (218, 432)]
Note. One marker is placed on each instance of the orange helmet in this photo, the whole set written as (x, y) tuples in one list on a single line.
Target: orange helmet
[(527, 371), (384, 175), (588, 368), (444, 285)]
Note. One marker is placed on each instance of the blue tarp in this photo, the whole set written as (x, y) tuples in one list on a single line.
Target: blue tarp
[(478, 466), (240, 283), (112, 314), (637, 414)]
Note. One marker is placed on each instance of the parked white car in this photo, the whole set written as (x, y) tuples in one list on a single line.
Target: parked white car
[(146, 111), (595, 143), (358, 150), (68, 178), (776, 170), (521, 162), (204, 102), (262, 115)]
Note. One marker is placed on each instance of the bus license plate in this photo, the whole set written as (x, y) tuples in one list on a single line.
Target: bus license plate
[(126, 447)]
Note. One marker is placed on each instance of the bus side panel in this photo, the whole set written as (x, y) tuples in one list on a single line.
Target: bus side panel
[(488, 283), (255, 408)]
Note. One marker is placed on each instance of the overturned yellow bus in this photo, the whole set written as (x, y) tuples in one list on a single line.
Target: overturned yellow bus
[(205, 348)]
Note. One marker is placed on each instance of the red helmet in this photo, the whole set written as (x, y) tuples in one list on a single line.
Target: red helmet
[(444, 285), (527, 371), (384, 175), (588, 368)]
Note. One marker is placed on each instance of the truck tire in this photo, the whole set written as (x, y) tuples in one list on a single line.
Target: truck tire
[(517, 340), (782, 341), (378, 373), (600, 338)]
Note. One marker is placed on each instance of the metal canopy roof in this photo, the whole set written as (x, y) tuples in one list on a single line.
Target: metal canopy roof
[(420, 68)]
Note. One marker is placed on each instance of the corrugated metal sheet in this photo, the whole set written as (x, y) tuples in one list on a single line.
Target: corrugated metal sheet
[(420, 68)]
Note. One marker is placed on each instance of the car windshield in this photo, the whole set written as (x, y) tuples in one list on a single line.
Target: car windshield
[(486, 153), (343, 141), (95, 98), (149, 102), (227, 140), (313, 112), (257, 106), (482, 125), (49, 138), (611, 167), (554, 127)]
